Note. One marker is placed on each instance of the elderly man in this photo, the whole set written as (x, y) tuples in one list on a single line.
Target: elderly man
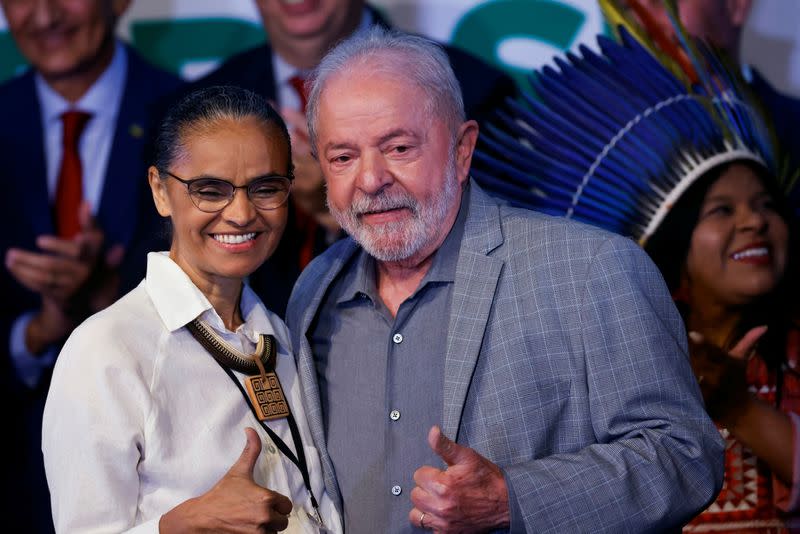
[(300, 33), (72, 141), (480, 367)]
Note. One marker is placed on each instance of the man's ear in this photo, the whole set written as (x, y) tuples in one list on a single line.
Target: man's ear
[(159, 189), (466, 139)]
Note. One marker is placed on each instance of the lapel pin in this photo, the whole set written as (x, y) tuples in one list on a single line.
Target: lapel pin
[(136, 130)]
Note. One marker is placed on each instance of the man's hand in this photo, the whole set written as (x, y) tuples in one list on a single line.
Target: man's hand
[(235, 503), (69, 276), (721, 375), (58, 271), (470, 495)]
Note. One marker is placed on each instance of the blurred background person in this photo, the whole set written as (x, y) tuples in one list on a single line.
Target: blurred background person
[(721, 23), (299, 34), (149, 400), (71, 152), (693, 176)]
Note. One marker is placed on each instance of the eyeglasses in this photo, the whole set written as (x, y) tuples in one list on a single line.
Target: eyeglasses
[(213, 194)]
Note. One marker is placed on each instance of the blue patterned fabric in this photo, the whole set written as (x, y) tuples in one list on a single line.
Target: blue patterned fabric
[(565, 365), (613, 138)]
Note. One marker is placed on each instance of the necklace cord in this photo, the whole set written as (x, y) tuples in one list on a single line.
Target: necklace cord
[(202, 335)]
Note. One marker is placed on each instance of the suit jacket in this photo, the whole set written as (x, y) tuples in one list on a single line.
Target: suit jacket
[(784, 112), (484, 88), (126, 214), (599, 425)]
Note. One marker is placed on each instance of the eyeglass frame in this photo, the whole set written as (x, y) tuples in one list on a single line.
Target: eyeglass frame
[(246, 187)]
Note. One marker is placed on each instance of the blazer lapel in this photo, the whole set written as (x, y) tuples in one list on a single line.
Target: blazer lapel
[(476, 280), (25, 143), (124, 177), (324, 274)]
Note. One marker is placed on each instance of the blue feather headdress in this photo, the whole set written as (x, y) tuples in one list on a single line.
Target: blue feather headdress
[(615, 138)]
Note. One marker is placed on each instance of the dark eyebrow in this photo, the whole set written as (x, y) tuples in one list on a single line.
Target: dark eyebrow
[(269, 175), (728, 198), (251, 180)]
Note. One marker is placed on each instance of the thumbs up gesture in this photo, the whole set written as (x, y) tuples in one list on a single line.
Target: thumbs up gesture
[(235, 503), (469, 495)]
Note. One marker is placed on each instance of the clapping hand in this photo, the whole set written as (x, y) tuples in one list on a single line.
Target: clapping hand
[(470, 495), (70, 276), (235, 503), (721, 375), (308, 189)]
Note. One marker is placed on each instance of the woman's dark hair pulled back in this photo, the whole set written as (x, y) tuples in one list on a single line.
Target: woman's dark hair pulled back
[(204, 107)]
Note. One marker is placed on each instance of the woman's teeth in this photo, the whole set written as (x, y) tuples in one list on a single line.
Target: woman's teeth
[(751, 253), (233, 239)]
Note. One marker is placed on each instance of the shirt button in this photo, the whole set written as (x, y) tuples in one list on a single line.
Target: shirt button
[(397, 338), (396, 490), (271, 449), (394, 415)]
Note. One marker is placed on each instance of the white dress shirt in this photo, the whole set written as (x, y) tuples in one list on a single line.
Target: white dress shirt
[(102, 100), (140, 417)]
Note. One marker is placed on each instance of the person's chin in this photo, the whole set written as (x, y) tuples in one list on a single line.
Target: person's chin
[(237, 270)]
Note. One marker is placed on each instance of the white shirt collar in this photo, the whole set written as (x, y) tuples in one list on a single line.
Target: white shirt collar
[(101, 99), (177, 300)]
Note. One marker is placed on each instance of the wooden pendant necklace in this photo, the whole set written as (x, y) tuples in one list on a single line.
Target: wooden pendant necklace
[(263, 387)]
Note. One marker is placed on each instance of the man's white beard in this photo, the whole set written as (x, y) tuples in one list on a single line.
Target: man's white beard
[(398, 241)]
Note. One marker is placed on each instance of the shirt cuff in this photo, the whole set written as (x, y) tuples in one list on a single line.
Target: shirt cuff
[(29, 367), (517, 521)]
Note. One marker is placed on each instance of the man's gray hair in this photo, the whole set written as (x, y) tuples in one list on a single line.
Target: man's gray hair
[(409, 57)]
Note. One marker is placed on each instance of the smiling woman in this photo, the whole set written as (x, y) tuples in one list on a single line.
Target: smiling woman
[(725, 250), (191, 358), (682, 160), (222, 234)]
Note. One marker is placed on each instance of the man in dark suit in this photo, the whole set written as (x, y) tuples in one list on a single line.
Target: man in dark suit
[(299, 35), (77, 210), (721, 23)]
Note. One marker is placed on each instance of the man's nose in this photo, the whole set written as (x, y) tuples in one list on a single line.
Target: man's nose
[(45, 12), (373, 173)]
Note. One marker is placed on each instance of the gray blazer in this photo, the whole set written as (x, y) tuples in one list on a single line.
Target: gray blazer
[(599, 424)]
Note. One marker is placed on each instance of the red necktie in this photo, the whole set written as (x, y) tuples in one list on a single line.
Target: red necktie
[(306, 225), (298, 83), (69, 190)]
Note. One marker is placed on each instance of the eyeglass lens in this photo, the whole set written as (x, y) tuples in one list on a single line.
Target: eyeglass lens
[(265, 193)]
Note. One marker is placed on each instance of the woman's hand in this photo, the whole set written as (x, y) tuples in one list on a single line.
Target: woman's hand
[(235, 503), (762, 428), (721, 375)]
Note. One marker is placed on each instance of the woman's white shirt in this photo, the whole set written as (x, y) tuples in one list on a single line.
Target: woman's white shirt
[(140, 417)]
